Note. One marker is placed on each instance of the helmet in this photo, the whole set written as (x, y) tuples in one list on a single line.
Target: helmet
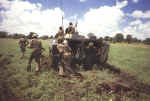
[(70, 23)]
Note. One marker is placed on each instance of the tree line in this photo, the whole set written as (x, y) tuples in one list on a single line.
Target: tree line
[(4, 34), (119, 37)]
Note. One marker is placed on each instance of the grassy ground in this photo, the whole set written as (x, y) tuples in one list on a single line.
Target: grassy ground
[(16, 84), (133, 58)]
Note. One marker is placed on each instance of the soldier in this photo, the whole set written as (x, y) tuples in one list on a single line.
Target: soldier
[(60, 33), (91, 54), (60, 48), (66, 59), (55, 55), (70, 29), (23, 42), (37, 48)]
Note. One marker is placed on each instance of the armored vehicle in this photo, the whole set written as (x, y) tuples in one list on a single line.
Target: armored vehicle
[(87, 51)]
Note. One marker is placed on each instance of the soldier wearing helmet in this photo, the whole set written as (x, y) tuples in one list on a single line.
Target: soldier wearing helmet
[(37, 48), (70, 29)]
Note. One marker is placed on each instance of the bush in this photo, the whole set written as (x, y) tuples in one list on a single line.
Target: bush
[(3, 34), (119, 37), (44, 37), (17, 36)]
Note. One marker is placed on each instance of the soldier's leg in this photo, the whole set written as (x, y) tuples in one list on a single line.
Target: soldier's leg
[(86, 63), (29, 62), (38, 66), (67, 65), (61, 69), (55, 62), (22, 51)]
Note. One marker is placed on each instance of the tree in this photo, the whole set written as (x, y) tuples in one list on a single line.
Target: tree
[(44, 37), (119, 37), (51, 36), (108, 38), (31, 34), (17, 36), (134, 39), (3, 34), (147, 41), (129, 38), (91, 36)]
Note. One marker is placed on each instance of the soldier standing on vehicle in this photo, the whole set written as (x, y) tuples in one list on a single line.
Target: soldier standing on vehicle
[(23, 42), (70, 29), (60, 34), (37, 48)]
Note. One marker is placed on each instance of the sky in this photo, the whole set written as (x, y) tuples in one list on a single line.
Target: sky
[(101, 17)]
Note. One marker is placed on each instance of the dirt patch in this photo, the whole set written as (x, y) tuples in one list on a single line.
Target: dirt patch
[(113, 87), (1, 55), (126, 82), (46, 62), (131, 80), (6, 94), (10, 55), (111, 68), (5, 61)]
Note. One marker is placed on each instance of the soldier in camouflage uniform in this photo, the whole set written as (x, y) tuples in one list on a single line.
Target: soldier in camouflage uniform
[(60, 33), (60, 48), (70, 29), (91, 56), (66, 59), (37, 48), (55, 55), (23, 42)]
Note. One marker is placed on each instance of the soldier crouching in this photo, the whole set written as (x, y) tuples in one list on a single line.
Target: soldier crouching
[(66, 59), (37, 48)]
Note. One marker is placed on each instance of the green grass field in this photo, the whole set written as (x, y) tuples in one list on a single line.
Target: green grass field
[(16, 84)]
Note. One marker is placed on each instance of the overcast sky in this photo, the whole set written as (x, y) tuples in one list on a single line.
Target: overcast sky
[(102, 17)]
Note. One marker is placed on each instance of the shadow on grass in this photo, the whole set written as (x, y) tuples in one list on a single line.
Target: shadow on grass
[(126, 79)]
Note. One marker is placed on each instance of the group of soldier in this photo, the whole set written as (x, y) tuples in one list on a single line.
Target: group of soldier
[(37, 49), (60, 52)]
